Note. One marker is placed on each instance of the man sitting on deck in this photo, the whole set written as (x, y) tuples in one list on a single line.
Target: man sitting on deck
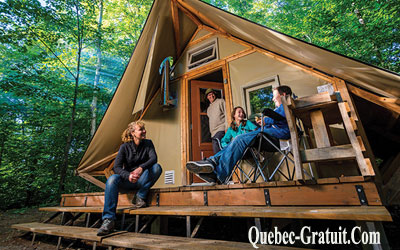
[(219, 166)]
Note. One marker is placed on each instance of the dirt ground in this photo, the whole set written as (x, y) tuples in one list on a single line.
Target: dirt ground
[(11, 239)]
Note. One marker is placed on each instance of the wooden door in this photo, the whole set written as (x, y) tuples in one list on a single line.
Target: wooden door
[(201, 137)]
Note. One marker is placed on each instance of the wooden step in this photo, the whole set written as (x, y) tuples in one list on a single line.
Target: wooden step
[(363, 213), (98, 209), (135, 240), (342, 152)]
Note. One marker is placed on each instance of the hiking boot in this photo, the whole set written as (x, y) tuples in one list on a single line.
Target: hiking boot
[(140, 203), (201, 167), (106, 228), (209, 177)]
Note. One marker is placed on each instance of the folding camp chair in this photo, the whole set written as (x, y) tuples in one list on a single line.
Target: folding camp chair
[(257, 154)]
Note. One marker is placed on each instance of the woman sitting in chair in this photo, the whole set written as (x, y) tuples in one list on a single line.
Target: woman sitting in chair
[(239, 125)]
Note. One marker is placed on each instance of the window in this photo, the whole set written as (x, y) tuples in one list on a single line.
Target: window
[(202, 54), (258, 95)]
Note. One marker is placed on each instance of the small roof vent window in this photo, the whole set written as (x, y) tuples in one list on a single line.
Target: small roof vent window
[(202, 54)]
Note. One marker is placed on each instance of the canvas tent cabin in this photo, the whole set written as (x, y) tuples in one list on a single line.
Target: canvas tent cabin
[(215, 49), (209, 45)]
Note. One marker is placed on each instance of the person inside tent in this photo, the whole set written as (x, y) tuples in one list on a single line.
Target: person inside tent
[(219, 166), (135, 168), (239, 125), (216, 118)]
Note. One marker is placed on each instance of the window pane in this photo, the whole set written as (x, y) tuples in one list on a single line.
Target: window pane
[(261, 99), (205, 129)]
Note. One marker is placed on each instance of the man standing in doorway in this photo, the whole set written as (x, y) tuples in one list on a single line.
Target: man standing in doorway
[(216, 117)]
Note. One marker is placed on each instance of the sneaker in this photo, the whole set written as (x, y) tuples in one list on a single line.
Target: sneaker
[(106, 228), (140, 203), (209, 178), (197, 167)]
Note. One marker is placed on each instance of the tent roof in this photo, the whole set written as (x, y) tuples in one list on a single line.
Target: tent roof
[(119, 113)]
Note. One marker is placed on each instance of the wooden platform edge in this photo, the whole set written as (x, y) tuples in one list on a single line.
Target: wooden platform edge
[(354, 213), (135, 240)]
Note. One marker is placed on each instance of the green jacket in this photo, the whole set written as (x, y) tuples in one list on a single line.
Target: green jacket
[(230, 134)]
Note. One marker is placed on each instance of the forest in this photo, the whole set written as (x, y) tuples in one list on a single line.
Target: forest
[(61, 61)]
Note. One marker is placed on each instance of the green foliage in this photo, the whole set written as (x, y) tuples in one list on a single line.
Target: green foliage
[(261, 99), (362, 29), (38, 68)]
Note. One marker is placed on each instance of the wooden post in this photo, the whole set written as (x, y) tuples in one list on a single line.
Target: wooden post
[(299, 175), (365, 169), (137, 224), (188, 227), (319, 127), (341, 86), (197, 227), (33, 238)]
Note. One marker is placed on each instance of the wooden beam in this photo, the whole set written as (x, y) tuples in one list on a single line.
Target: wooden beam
[(297, 195), (342, 87), (189, 14), (294, 137), (93, 180), (312, 100), (364, 168), (341, 152), (228, 92), (201, 16), (98, 163), (109, 170), (329, 213), (203, 38), (385, 102), (184, 105), (344, 93), (319, 127), (175, 21), (149, 104)]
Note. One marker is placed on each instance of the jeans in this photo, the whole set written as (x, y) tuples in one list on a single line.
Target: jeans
[(230, 155), (115, 184), (216, 139)]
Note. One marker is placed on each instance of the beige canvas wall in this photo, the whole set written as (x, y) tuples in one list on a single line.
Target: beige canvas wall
[(256, 67), (164, 129), (226, 48)]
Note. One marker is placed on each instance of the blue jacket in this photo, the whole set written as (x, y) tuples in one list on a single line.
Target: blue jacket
[(230, 133), (278, 129)]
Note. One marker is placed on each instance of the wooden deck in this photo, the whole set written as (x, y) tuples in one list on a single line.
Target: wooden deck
[(362, 213), (328, 199), (322, 192), (136, 240)]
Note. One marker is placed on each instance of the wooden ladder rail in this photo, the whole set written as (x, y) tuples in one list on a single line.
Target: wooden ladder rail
[(313, 106)]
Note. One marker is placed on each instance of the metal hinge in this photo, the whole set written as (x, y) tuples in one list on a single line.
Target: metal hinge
[(267, 197), (361, 195), (205, 199)]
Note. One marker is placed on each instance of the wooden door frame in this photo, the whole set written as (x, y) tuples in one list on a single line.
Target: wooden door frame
[(185, 107)]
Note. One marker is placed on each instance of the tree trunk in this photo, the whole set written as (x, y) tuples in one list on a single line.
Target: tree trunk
[(64, 166), (97, 76)]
